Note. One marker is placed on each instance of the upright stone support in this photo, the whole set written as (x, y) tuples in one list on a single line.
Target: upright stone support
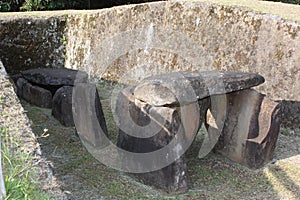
[(250, 128), (172, 178), (62, 106)]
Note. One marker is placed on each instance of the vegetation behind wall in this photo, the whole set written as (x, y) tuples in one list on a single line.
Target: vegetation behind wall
[(31, 5)]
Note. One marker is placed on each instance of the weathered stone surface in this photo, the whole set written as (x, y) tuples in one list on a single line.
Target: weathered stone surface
[(251, 127), (29, 42), (62, 106), (88, 115), (186, 87), (34, 94), (133, 118), (54, 77)]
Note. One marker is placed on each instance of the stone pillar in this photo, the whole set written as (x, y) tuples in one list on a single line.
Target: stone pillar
[(250, 128), (135, 135)]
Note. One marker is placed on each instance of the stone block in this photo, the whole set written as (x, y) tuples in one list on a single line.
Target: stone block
[(249, 126), (34, 94)]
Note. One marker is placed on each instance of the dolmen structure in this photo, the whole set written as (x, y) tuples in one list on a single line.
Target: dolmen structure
[(51, 88), (242, 124), (163, 114)]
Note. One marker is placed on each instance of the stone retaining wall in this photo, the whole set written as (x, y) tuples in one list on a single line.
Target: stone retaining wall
[(27, 43), (129, 42)]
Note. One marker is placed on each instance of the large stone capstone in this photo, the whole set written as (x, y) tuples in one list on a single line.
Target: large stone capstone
[(54, 77), (186, 87)]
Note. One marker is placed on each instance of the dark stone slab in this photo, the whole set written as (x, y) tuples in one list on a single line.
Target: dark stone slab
[(136, 138), (186, 87), (54, 77), (251, 127), (62, 106), (88, 115), (34, 94)]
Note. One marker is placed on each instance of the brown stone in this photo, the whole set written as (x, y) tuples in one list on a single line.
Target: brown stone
[(34, 94), (249, 128), (187, 87)]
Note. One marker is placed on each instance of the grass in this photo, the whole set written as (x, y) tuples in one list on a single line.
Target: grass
[(286, 132), (286, 11), (20, 177)]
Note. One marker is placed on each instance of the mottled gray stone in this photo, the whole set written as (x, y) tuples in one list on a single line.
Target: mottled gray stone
[(186, 87), (34, 94), (54, 77), (249, 127)]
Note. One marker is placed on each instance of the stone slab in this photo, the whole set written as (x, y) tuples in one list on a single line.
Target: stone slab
[(88, 115), (54, 77), (186, 87)]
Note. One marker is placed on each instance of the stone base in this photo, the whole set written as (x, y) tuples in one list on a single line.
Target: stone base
[(172, 178), (250, 130)]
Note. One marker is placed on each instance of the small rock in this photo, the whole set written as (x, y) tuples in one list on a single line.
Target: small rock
[(34, 94)]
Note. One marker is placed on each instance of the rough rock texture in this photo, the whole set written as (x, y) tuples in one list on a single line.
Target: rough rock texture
[(187, 87), (249, 127), (31, 43), (88, 115), (54, 77), (172, 178), (34, 94), (62, 106)]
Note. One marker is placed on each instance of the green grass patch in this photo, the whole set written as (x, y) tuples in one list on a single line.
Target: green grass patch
[(20, 177)]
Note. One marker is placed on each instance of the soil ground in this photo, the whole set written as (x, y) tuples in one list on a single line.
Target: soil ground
[(79, 176)]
